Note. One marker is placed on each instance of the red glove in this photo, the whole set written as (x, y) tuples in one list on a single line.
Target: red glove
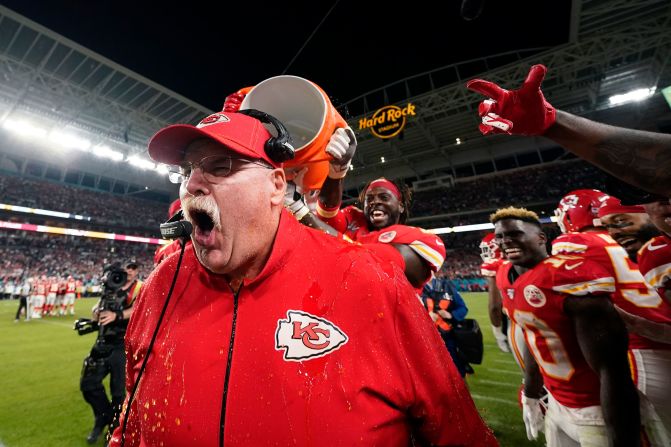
[(521, 112), (233, 101)]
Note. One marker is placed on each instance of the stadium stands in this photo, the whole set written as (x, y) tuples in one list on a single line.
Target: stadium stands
[(470, 201), (28, 254), (541, 184), (103, 208)]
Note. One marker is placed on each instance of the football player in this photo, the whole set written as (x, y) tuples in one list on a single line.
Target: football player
[(39, 296), (575, 338), (655, 257), (630, 226), (380, 224), (650, 358), (70, 293), (491, 261)]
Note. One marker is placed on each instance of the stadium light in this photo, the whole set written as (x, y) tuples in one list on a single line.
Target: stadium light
[(162, 169), (24, 128), (382, 160), (140, 162), (23, 209), (634, 95), (69, 140), (478, 227), (107, 152), (60, 138), (81, 233)]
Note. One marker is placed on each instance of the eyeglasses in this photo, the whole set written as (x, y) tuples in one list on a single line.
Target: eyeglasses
[(214, 168)]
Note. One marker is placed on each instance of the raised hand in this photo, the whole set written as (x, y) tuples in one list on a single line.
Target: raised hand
[(522, 112)]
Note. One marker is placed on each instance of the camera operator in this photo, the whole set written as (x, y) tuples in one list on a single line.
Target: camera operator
[(110, 319)]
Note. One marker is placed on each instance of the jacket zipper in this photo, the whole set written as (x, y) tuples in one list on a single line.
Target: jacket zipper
[(222, 422)]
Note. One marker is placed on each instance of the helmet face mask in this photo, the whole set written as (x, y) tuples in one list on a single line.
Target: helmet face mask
[(579, 209), (489, 250), (485, 251)]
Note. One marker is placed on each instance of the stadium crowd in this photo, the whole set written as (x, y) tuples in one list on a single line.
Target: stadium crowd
[(25, 254), (30, 254), (101, 207), (542, 183)]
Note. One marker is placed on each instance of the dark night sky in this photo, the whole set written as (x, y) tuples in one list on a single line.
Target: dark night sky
[(208, 49)]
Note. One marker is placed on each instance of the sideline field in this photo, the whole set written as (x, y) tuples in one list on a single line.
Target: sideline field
[(40, 362)]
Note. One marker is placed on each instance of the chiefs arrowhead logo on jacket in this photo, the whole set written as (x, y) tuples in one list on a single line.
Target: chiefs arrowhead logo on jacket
[(304, 336)]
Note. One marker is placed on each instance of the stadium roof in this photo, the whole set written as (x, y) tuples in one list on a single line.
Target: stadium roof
[(46, 74), (615, 46)]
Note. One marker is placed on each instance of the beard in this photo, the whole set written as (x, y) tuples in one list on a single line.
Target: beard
[(647, 232)]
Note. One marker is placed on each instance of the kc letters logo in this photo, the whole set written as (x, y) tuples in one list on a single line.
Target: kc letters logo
[(304, 336)]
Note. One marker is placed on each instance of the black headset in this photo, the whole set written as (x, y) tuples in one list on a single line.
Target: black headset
[(278, 149)]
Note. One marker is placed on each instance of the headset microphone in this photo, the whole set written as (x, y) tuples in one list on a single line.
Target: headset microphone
[(176, 227)]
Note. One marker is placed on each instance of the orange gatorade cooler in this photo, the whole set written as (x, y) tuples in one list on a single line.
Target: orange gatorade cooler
[(306, 111)]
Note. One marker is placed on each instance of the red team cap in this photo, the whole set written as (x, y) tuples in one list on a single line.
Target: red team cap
[(240, 133), (613, 206)]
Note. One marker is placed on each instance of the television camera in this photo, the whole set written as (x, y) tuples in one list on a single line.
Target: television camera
[(113, 279)]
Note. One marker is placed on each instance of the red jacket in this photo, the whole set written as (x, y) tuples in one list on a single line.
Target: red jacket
[(325, 347)]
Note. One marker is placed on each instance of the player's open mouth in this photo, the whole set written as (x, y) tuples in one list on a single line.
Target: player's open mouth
[(514, 252), (377, 215), (203, 224), (627, 241)]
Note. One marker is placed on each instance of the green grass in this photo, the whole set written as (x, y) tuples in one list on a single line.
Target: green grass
[(496, 381), (40, 363)]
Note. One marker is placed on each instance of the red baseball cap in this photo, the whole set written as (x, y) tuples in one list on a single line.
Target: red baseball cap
[(238, 132), (613, 206)]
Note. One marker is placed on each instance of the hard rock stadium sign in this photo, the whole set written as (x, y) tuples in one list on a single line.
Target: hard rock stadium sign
[(388, 121)]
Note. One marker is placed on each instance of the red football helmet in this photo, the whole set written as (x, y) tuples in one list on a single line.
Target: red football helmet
[(579, 209), (489, 249)]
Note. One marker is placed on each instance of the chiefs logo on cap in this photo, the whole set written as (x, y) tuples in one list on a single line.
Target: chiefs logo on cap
[(304, 336), (213, 119), (534, 296)]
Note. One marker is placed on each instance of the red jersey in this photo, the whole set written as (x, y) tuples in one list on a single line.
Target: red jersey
[(632, 294), (535, 301), (53, 286), (71, 286), (654, 261), (352, 224), (322, 344), (40, 287), (515, 335), (491, 266)]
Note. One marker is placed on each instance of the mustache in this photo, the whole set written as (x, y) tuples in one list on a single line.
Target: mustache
[(201, 204)]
